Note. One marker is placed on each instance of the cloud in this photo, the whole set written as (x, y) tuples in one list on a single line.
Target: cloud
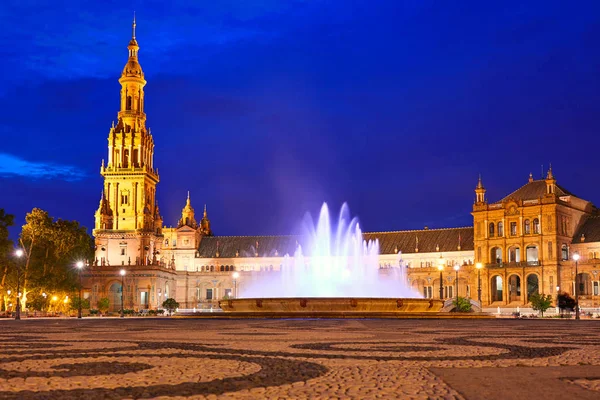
[(13, 166)]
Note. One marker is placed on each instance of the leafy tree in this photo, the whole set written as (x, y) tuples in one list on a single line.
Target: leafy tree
[(540, 302), (74, 304), (52, 248), (462, 304), (103, 304), (6, 220), (170, 305), (565, 302)]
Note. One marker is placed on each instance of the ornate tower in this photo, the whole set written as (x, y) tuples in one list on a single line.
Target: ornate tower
[(187, 215), (205, 224), (128, 208)]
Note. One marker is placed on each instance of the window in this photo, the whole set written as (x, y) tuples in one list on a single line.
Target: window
[(123, 250), (527, 227), (536, 226), (166, 242), (513, 229), (500, 229), (532, 254), (449, 292), (186, 242), (428, 292), (491, 229), (174, 242), (565, 252), (209, 294), (596, 288), (228, 293), (479, 253), (124, 199), (550, 251), (514, 254)]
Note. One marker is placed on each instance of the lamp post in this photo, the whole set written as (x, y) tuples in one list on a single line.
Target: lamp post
[(236, 275), (19, 253), (441, 269), (79, 268), (479, 266), (122, 288), (456, 268), (576, 258)]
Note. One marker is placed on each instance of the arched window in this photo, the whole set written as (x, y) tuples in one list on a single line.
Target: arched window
[(126, 159), (496, 285), (166, 242), (527, 227), (536, 226), (514, 288), (212, 268), (496, 255), (222, 268), (128, 103), (491, 229), (533, 285), (585, 284), (500, 229), (565, 252), (514, 254), (532, 254)]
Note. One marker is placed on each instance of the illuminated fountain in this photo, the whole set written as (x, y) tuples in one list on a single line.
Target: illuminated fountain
[(337, 262), (334, 273)]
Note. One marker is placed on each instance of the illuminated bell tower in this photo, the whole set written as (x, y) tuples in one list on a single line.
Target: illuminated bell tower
[(128, 209)]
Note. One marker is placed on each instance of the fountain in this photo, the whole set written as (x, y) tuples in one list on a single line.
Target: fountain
[(333, 273)]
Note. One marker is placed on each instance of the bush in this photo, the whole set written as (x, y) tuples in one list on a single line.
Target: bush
[(160, 312), (103, 304), (462, 304), (94, 312)]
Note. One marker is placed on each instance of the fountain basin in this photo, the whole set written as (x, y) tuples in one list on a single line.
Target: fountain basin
[(331, 305)]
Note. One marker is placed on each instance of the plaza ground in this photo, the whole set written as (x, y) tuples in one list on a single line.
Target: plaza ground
[(296, 359)]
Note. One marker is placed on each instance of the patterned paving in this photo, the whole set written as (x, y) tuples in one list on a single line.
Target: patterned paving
[(296, 359)]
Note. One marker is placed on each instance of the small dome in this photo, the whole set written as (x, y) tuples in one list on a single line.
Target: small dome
[(133, 68)]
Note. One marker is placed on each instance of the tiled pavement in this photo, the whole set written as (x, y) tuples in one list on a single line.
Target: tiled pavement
[(256, 359)]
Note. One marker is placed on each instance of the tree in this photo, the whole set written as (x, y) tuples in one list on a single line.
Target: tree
[(74, 304), (170, 305), (6, 221), (540, 302), (52, 247), (462, 304), (103, 304), (565, 302)]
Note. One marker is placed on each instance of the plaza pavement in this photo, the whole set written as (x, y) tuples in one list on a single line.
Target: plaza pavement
[(297, 359)]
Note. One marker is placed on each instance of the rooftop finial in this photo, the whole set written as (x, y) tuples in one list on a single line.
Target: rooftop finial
[(133, 26), (550, 176), (530, 177), (205, 211), (479, 183)]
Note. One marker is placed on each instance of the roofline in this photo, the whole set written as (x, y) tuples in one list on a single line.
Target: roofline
[(300, 235)]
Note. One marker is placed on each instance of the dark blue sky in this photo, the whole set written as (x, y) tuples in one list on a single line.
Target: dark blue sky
[(264, 109)]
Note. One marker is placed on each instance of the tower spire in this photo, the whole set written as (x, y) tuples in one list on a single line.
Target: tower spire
[(133, 27)]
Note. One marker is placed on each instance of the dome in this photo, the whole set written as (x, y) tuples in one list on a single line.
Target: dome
[(133, 68)]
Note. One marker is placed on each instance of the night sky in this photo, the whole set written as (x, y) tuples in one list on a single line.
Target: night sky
[(264, 109)]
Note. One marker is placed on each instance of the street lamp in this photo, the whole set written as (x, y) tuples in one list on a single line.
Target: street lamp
[(576, 258), (441, 269), (19, 254), (479, 266), (122, 286), (79, 268), (236, 275), (456, 268)]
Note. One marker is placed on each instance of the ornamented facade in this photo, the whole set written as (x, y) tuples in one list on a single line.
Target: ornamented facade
[(522, 243)]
